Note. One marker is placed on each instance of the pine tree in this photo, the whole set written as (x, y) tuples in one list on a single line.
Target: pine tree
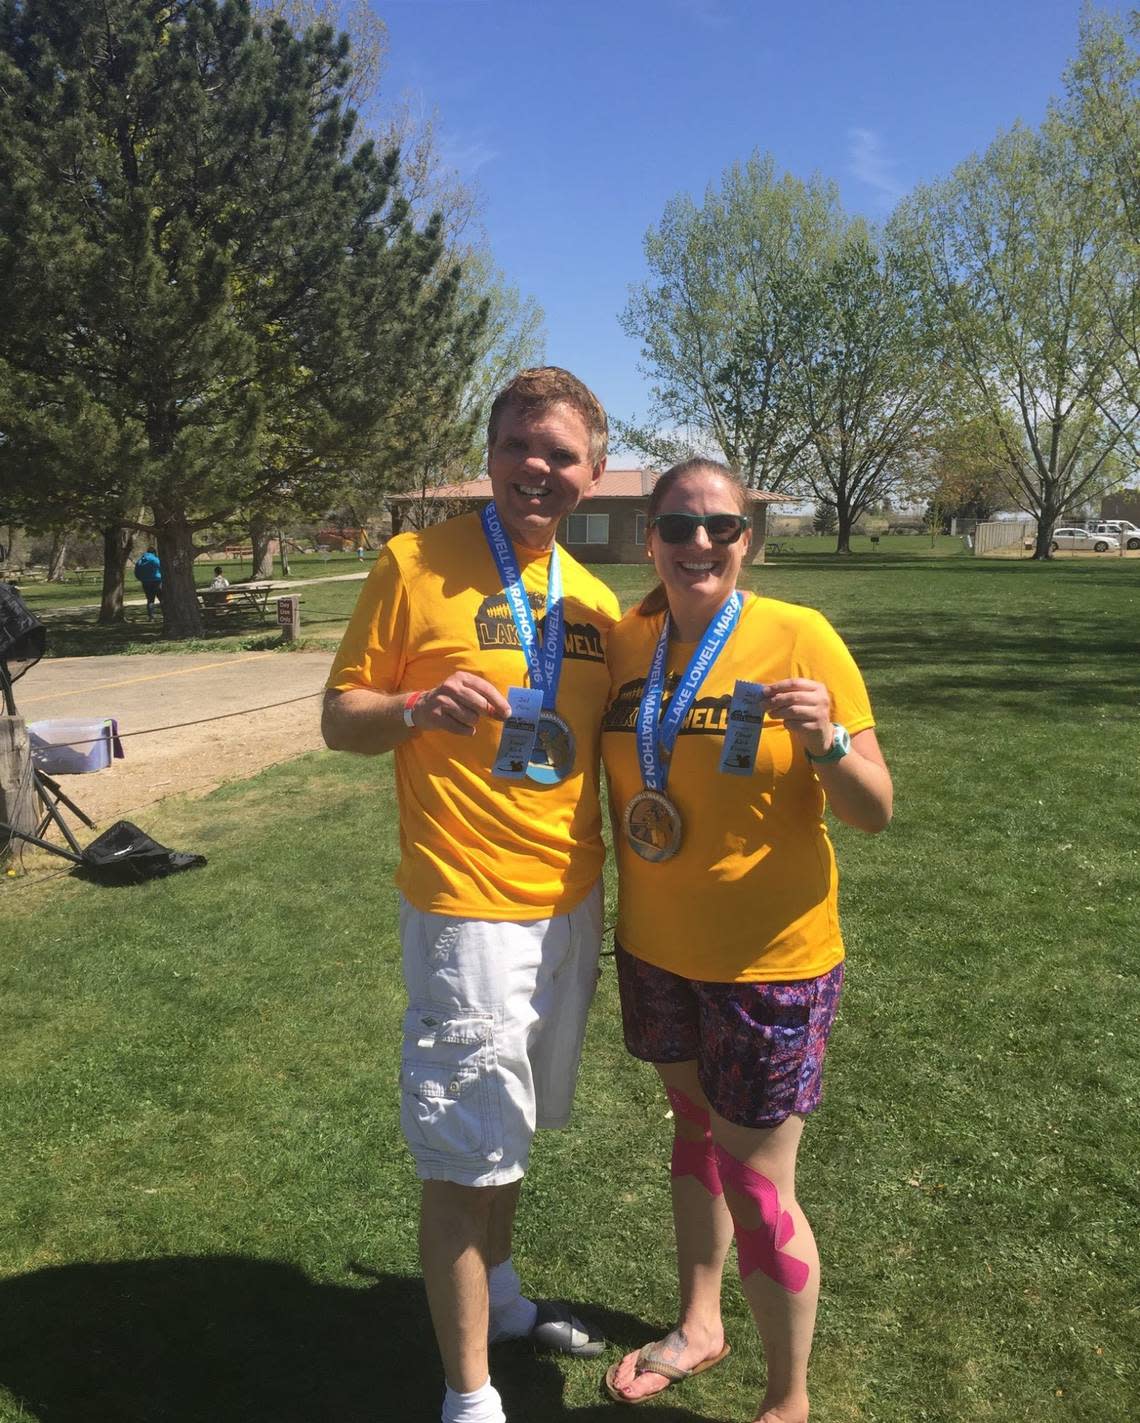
[(200, 273)]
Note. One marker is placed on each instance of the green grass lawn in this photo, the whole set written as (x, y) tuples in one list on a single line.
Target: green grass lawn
[(206, 1211), (890, 546)]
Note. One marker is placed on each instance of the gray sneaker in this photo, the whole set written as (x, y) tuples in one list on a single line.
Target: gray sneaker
[(563, 1333)]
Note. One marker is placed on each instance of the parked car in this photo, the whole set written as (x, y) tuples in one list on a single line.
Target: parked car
[(1081, 539), (1123, 529)]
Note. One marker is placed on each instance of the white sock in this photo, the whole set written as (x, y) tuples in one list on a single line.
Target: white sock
[(512, 1314), (482, 1406)]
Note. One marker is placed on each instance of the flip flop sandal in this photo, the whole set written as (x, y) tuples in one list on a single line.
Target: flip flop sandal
[(650, 1362)]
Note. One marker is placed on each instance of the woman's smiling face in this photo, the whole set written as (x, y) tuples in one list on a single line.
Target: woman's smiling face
[(699, 575)]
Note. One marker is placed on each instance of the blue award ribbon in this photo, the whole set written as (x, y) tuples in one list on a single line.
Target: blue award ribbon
[(655, 741), (544, 661)]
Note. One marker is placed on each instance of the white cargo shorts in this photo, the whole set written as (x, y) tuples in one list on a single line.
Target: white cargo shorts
[(492, 1036)]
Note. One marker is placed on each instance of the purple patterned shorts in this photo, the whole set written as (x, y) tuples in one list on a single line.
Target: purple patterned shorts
[(758, 1046)]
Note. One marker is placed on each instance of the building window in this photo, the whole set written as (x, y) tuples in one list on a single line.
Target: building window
[(639, 529), (588, 529)]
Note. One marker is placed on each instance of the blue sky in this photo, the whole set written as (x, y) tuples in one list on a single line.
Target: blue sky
[(578, 121)]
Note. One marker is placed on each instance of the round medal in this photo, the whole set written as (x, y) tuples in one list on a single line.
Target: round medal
[(652, 825), (552, 759)]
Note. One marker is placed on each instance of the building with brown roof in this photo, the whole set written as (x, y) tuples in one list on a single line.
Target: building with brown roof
[(607, 527)]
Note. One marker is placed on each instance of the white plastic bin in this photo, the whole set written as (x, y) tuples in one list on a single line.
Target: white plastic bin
[(70, 748)]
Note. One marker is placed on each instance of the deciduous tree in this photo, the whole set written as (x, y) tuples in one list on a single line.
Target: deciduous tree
[(967, 474), (865, 374), (1102, 115), (713, 319), (1033, 272), (1103, 108), (783, 336)]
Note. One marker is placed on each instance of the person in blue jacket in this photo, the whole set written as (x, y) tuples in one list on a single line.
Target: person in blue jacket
[(148, 570)]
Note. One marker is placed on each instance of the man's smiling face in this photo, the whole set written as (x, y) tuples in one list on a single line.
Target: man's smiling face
[(540, 468)]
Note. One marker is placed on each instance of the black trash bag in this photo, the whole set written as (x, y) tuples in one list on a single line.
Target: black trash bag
[(124, 854)]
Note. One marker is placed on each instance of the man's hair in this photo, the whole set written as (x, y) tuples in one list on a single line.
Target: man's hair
[(542, 387)]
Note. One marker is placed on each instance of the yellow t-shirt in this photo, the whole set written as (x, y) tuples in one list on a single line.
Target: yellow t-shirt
[(750, 895), (473, 845)]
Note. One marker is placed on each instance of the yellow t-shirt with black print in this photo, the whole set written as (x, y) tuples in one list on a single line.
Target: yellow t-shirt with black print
[(473, 845), (751, 895)]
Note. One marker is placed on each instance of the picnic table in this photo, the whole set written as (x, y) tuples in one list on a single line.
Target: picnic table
[(235, 598), (254, 595)]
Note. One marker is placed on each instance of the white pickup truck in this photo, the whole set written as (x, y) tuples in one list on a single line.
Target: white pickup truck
[(1125, 531)]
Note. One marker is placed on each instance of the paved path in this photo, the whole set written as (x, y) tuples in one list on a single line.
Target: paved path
[(276, 696)]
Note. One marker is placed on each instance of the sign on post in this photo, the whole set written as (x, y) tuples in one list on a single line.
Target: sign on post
[(289, 617)]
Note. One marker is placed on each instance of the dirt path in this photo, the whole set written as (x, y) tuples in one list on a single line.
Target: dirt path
[(276, 698)]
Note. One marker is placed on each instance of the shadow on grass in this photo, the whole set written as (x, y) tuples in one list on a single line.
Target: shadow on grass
[(72, 634), (1072, 661), (79, 635), (236, 1340), (1083, 571)]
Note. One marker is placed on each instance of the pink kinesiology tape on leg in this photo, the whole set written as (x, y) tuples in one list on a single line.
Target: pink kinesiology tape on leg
[(762, 1248), (693, 1158)]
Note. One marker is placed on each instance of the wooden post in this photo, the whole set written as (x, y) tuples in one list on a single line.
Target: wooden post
[(17, 793)]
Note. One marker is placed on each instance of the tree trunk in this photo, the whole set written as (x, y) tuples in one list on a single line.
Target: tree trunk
[(843, 535), (17, 546), (181, 613), (59, 542), (284, 547), (1046, 523), (116, 550), (259, 537)]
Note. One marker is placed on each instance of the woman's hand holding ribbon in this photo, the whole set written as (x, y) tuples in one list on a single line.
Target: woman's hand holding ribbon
[(805, 709)]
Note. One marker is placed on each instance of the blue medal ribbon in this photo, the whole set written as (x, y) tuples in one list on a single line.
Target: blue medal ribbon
[(656, 735), (544, 661)]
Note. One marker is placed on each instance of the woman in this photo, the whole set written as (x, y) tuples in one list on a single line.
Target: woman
[(732, 718), (148, 570)]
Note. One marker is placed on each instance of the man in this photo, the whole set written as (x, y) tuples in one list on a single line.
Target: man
[(501, 849)]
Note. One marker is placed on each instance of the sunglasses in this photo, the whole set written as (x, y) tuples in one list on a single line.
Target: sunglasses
[(680, 528)]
